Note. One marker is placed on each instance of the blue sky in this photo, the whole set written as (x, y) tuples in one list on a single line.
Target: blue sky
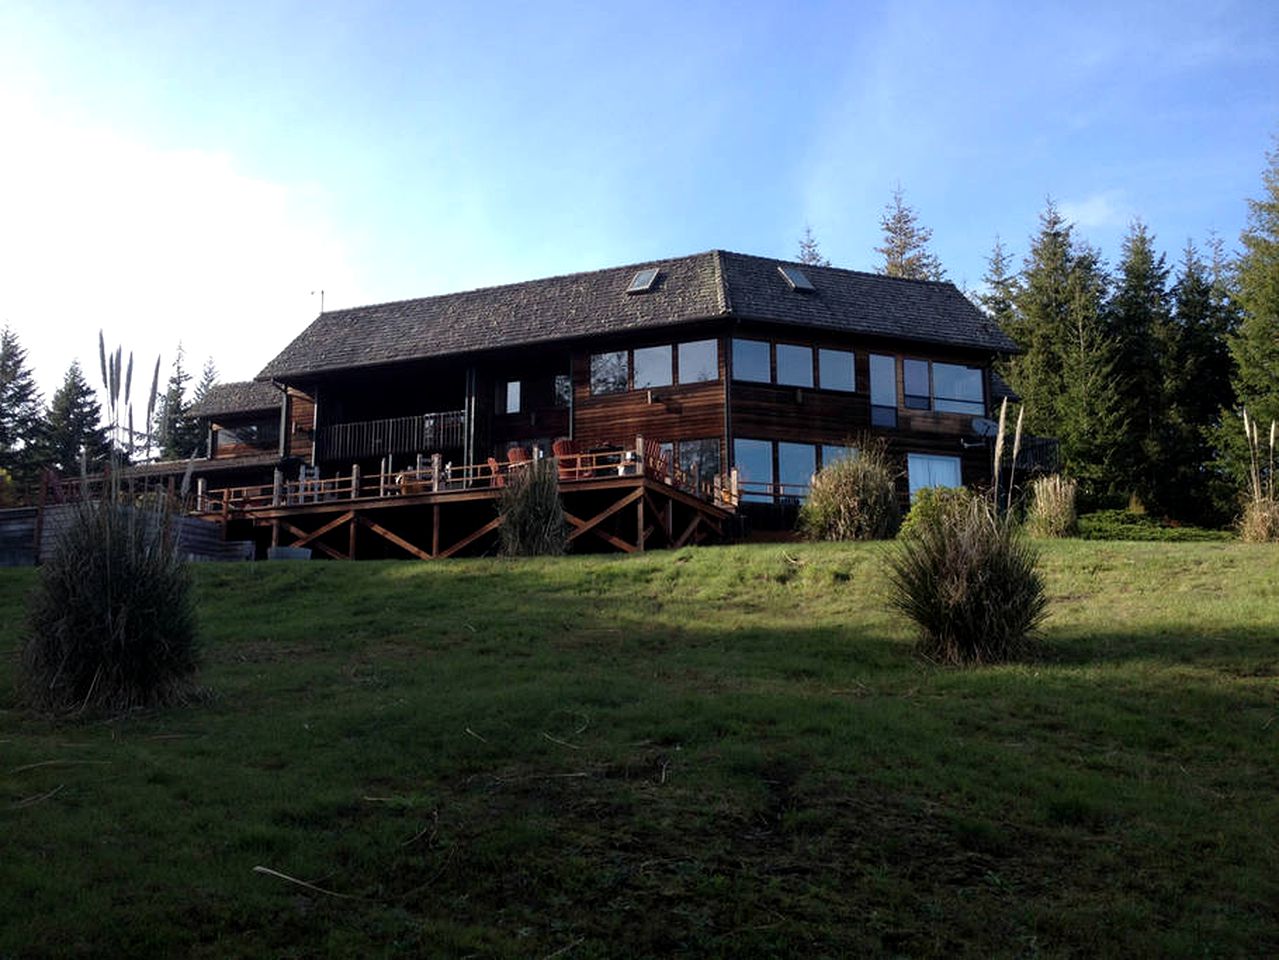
[(194, 171)]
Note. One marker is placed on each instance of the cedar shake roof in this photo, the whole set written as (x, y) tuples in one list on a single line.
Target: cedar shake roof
[(717, 284), (246, 396)]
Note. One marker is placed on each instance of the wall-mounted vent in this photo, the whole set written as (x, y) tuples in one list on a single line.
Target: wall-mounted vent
[(643, 281), (795, 277)]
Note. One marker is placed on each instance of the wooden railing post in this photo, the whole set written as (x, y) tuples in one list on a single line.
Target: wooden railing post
[(277, 487), (355, 480), (734, 486), (436, 469), (201, 494), (381, 479)]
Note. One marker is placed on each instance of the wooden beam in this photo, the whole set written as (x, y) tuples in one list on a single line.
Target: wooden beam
[(640, 533), (396, 539), (602, 534), (323, 547), (435, 529), (321, 531), (585, 526), (350, 542), (467, 541), (688, 531)]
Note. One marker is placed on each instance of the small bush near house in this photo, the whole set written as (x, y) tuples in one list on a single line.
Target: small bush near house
[(932, 504), (533, 522), (855, 498), (111, 621), (1125, 525), (1052, 507), (970, 581)]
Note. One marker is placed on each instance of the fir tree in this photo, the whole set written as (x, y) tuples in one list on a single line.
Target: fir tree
[(1139, 321), (905, 248), (20, 415), (73, 426), (1001, 287), (1255, 345), (208, 379), (176, 431), (809, 251)]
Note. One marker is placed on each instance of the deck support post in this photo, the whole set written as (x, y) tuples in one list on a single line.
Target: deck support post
[(639, 524), (437, 468), (201, 494), (355, 481), (277, 486), (435, 530)]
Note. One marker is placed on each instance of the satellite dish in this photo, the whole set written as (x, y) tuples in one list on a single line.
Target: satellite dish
[(985, 428)]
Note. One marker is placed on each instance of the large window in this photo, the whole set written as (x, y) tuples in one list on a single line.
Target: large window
[(796, 464), (703, 454), (750, 361), (609, 372), (958, 389), (754, 462), (794, 365), (883, 390), (835, 370), (932, 470), (563, 390), (915, 384), (834, 452), (699, 361), (653, 367)]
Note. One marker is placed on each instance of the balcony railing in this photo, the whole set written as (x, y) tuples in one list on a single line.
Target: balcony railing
[(425, 433)]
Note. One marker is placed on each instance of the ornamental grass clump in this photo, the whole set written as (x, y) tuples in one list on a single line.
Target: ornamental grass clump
[(969, 580), (533, 523), (1260, 520), (1052, 507), (855, 498), (111, 621)]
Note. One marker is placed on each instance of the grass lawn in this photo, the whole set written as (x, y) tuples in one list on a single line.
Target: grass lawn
[(719, 752)]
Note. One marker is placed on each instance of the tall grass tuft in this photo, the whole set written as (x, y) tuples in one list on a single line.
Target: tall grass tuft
[(111, 621), (1052, 507), (1260, 520), (855, 498), (533, 523), (969, 580)]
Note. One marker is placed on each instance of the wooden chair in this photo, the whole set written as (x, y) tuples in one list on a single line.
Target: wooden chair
[(568, 458), (657, 462), (517, 455)]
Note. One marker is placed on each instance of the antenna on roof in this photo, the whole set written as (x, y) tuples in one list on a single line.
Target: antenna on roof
[(321, 293)]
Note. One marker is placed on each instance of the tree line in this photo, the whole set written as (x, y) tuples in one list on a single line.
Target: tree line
[(1141, 371), (68, 434)]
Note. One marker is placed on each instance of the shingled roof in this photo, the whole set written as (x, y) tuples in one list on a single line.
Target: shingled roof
[(245, 396), (716, 284)]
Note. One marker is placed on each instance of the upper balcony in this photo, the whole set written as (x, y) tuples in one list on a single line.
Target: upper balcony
[(424, 433)]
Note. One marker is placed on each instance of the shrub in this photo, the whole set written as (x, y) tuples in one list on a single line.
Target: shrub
[(931, 504), (970, 582), (533, 522), (1260, 521), (111, 621), (855, 498), (1052, 507), (1124, 525)]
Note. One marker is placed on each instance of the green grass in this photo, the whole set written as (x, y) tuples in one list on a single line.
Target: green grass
[(723, 752)]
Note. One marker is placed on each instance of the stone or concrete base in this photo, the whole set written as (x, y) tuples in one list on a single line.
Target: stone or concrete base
[(288, 553)]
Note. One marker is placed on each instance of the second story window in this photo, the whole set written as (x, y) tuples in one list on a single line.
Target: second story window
[(508, 396), (653, 367), (698, 361), (563, 390), (751, 361), (610, 372), (945, 387), (794, 365), (915, 384), (883, 390), (835, 370)]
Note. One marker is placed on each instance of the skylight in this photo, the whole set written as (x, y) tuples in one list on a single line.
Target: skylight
[(795, 277), (643, 281)]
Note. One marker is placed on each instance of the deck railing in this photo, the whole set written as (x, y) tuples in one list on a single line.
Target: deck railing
[(360, 439)]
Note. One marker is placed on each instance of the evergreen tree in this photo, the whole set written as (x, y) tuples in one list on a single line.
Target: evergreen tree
[(1001, 287), (208, 379), (1255, 344), (1139, 318), (20, 416), (905, 248), (809, 251), (176, 431), (73, 426)]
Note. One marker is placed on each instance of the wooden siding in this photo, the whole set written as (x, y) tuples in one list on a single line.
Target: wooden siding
[(300, 424)]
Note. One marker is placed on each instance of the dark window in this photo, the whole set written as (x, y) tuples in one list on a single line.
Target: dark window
[(509, 397), (563, 390), (795, 277), (835, 370), (704, 454), (958, 389), (794, 365), (643, 281), (699, 361), (652, 367), (609, 372), (796, 464), (261, 435), (883, 390), (750, 361), (915, 384)]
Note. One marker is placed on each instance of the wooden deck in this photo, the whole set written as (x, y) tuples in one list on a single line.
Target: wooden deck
[(617, 500)]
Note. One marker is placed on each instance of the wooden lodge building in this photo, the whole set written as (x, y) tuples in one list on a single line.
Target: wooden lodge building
[(743, 376)]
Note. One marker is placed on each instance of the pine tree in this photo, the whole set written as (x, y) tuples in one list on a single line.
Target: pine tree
[(809, 251), (1001, 287), (21, 415), (208, 379), (73, 426), (1255, 345), (1139, 319), (176, 431), (905, 248)]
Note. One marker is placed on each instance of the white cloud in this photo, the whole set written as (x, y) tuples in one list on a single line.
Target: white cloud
[(1103, 209), (152, 246)]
